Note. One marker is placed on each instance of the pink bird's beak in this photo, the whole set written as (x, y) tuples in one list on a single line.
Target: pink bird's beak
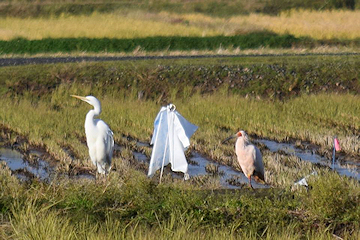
[(227, 139)]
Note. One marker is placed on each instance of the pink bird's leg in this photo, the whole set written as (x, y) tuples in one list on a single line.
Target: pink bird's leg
[(249, 177)]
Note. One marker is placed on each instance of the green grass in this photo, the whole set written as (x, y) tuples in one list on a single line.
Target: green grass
[(36, 104), (130, 205), (149, 44), (254, 40)]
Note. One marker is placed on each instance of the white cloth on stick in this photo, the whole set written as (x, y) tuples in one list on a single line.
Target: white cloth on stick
[(170, 139)]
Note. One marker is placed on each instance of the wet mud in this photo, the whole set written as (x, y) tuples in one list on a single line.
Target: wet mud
[(36, 163)]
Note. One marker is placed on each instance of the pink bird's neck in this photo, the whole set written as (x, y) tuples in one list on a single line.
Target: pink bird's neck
[(241, 143)]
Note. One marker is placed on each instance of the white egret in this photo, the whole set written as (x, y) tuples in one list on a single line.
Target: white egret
[(248, 156), (99, 137)]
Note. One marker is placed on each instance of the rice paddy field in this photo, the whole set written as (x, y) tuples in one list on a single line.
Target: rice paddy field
[(38, 115), (291, 106)]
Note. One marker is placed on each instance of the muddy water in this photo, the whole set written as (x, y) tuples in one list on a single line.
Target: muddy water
[(229, 178), (140, 157), (351, 170), (197, 167), (23, 169)]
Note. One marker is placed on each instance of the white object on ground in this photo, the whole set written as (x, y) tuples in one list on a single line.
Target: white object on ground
[(170, 139), (303, 182)]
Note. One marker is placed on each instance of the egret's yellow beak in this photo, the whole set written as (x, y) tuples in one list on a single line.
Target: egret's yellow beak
[(80, 97)]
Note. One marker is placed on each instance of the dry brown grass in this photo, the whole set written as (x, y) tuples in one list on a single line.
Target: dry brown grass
[(95, 26), (340, 24)]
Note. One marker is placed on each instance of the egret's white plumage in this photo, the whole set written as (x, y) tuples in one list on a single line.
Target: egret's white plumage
[(99, 137), (249, 157)]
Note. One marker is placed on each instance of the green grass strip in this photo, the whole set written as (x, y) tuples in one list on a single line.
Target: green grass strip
[(252, 40), (161, 43)]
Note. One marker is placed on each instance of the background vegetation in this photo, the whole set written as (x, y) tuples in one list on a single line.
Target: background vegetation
[(152, 26), (222, 8), (335, 24)]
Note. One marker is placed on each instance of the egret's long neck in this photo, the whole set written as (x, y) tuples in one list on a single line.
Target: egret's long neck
[(89, 120), (96, 110)]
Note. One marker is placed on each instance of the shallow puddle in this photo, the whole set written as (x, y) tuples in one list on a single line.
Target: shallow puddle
[(142, 144), (140, 157), (15, 161), (351, 170), (25, 170)]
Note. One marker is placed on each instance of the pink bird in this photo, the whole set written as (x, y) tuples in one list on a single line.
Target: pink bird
[(248, 156)]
